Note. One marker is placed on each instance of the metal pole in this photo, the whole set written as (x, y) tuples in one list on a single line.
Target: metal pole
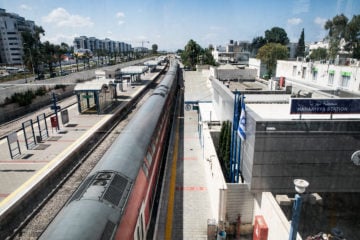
[(295, 217), (56, 110), (233, 138)]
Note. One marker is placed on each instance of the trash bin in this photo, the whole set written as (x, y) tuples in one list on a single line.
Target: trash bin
[(38, 139)]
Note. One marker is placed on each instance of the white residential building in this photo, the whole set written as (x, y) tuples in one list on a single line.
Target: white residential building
[(92, 43), (234, 52), (11, 46), (325, 76)]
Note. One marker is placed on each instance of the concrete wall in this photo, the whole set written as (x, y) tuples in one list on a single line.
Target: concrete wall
[(316, 150), (256, 64), (235, 74), (216, 181), (278, 225), (223, 100), (239, 201)]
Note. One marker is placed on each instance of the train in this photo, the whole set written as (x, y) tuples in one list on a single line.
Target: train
[(116, 199)]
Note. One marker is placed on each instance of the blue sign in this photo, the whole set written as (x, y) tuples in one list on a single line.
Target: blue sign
[(310, 105)]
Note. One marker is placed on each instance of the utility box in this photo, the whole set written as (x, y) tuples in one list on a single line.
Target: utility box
[(260, 229)]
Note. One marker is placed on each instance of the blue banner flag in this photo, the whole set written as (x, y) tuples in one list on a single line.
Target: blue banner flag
[(242, 121)]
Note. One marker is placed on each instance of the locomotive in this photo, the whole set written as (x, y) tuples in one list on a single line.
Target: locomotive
[(115, 201)]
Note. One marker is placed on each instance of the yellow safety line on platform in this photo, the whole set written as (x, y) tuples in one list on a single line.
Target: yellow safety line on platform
[(51, 163), (170, 208)]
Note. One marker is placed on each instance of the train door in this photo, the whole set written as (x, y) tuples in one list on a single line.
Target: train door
[(140, 230)]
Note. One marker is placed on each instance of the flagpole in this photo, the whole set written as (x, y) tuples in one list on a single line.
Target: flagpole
[(233, 136), (241, 133)]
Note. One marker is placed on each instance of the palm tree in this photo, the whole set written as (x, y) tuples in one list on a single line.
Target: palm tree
[(49, 55), (60, 50)]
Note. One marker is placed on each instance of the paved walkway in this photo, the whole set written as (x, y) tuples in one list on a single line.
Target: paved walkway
[(185, 203)]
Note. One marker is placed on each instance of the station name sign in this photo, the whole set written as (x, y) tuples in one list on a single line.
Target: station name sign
[(316, 106)]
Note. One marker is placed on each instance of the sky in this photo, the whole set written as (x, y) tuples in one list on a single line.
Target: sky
[(172, 23)]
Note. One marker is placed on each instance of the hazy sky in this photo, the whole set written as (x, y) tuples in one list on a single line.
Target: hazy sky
[(172, 23)]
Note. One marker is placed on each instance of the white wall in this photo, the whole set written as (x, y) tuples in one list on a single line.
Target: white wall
[(239, 201), (216, 181), (223, 101), (303, 72), (278, 225), (256, 64)]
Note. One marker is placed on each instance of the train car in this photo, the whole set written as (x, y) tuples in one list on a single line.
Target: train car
[(116, 199)]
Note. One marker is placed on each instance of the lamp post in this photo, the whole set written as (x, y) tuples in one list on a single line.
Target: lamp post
[(300, 187)]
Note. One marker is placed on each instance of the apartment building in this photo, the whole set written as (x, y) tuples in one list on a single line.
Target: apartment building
[(11, 27), (94, 44)]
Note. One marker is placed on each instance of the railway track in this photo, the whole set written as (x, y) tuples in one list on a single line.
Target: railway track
[(41, 213)]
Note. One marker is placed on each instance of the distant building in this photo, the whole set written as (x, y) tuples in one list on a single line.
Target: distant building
[(260, 67), (107, 45), (229, 72), (11, 45), (327, 76), (234, 52)]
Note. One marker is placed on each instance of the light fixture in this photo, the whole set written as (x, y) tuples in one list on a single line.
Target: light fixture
[(300, 185)]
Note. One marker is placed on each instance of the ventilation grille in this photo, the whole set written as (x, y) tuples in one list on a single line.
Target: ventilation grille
[(105, 186), (116, 190), (77, 195), (108, 231)]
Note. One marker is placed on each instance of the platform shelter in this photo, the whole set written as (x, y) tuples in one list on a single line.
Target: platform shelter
[(95, 96), (132, 73)]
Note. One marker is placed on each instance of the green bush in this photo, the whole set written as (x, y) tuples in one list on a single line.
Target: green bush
[(60, 86), (223, 150), (41, 91), (23, 99)]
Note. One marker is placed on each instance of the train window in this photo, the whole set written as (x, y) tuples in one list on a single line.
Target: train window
[(153, 148), (145, 169), (149, 157)]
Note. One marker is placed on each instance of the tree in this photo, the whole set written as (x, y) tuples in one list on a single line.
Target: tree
[(207, 57), (60, 50), (352, 35), (300, 49), (190, 54), (337, 29), (270, 53), (48, 55), (31, 45), (194, 54), (276, 35), (318, 54), (154, 48), (256, 44)]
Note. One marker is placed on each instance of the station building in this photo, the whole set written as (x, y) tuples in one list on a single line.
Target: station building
[(279, 148)]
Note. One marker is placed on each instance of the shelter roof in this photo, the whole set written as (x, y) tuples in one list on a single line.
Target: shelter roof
[(134, 69), (94, 85)]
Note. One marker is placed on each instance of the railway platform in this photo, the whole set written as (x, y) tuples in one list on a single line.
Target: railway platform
[(19, 175), (186, 202)]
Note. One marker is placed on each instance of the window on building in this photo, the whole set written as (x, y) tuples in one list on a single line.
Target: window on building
[(314, 74), (303, 74), (344, 81), (331, 78), (294, 71)]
